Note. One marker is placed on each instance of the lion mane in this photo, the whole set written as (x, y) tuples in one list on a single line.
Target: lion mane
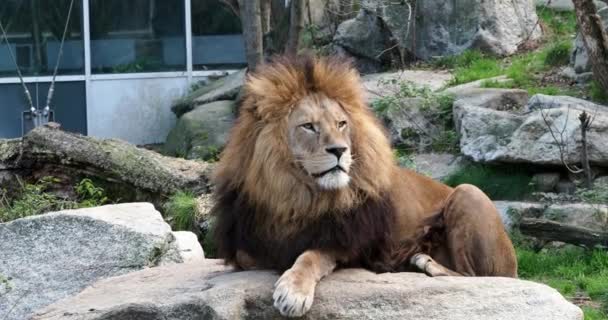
[(264, 209)]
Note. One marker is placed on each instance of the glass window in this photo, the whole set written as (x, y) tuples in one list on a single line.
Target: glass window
[(217, 40), (34, 29), (69, 106), (137, 36)]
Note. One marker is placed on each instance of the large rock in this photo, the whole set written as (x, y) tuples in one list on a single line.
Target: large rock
[(441, 27), (202, 132), (491, 136), (590, 216), (56, 255), (385, 84), (124, 170), (224, 88), (437, 165), (210, 291)]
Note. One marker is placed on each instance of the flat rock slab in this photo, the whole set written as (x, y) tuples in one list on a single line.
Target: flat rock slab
[(50, 257), (211, 291), (380, 85)]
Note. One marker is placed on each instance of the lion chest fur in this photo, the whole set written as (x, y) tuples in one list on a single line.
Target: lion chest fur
[(361, 236)]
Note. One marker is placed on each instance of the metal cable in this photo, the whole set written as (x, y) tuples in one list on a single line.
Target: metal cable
[(25, 89)]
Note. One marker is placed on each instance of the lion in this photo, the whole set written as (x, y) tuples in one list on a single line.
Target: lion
[(308, 183)]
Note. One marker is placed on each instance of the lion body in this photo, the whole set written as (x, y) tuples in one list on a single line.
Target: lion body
[(268, 214)]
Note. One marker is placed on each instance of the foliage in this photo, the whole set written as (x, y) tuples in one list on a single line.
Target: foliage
[(598, 194), (435, 107), (497, 182), (558, 24), (37, 198), (180, 211), (5, 285), (558, 54), (597, 93), (90, 195), (571, 271)]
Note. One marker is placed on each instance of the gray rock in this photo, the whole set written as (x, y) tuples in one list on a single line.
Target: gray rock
[(456, 90), (513, 137), (185, 248), (225, 88), (565, 187), (546, 181), (380, 85), (210, 291), (56, 255), (202, 132), (437, 165), (590, 216), (557, 5), (362, 37), (448, 28), (579, 59)]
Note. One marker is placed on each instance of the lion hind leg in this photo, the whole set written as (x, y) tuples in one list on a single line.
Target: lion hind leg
[(476, 242)]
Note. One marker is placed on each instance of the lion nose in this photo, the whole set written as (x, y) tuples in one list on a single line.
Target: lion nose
[(337, 151)]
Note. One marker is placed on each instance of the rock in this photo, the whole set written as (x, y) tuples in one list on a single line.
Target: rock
[(408, 124), (492, 136), (579, 58), (546, 181), (210, 291), (437, 165), (557, 5), (362, 38), (591, 216), (456, 90), (565, 187), (184, 249), (56, 255), (380, 85), (512, 211), (225, 88), (125, 171), (442, 28), (601, 182), (202, 132)]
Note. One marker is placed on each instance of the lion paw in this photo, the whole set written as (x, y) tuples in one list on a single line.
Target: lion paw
[(293, 294)]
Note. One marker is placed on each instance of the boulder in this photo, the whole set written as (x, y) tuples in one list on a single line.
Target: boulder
[(492, 136), (224, 88), (592, 217), (363, 39), (545, 181), (202, 132), (579, 58), (211, 291), (442, 28), (126, 172), (437, 165), (53, 256), (380, 85)]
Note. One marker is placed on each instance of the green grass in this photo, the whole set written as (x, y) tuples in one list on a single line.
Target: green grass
[(496, 182), (38, 198), (180, 211), (571, 271), (597, 93)]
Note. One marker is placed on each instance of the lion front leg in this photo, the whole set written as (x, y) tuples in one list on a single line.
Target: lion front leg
[(295, 290)]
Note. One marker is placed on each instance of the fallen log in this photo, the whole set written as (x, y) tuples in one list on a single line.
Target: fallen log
[(548, 230), (141, 174)]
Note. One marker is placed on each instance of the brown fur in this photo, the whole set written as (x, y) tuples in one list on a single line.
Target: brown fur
[(384, 216)]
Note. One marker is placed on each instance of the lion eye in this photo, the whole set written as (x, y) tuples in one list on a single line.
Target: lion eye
[(308, 126), (341, 124)]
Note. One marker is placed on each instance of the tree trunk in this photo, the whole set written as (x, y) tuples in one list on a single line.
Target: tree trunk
[(251, 18), (595, 39), (585, 120), (296, 25), (266, 9)]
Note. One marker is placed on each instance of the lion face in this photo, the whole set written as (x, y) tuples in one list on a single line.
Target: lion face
[(319, 140)]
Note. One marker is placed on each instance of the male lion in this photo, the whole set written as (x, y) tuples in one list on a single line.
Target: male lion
[(308, 183)]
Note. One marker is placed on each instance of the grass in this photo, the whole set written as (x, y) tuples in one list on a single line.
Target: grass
[(573, 272), (535, 71), (38, 198), (496, 182), (180, 211)]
